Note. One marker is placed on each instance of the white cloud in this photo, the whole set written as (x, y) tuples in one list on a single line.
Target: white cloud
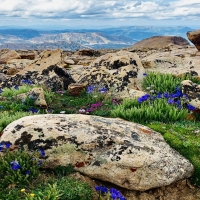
[(100, 9)]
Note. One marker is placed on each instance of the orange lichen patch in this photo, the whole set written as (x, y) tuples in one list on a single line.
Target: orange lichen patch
[(80, 164), (145, 130), (1, 133), (133, 169), (12, 148)]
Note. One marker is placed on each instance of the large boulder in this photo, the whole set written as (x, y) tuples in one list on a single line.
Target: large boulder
[(194, 37), (127, 154), (117, 71)]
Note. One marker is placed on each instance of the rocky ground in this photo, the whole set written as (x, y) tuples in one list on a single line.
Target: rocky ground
[(121, 72)]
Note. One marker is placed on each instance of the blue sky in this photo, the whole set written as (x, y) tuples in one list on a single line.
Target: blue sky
[(98, 13)]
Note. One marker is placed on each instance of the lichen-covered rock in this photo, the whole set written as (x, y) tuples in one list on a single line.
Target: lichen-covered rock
[(44, 71), (194, 37), (124, 153), (193, 91), (117, 71), (37, 94)]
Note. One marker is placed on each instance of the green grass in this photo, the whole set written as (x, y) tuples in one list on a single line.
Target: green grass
[(160, 82), (160, 110), (49, 188), (185, 138)]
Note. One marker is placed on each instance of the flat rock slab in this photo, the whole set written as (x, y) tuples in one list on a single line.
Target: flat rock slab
[(127, 154)]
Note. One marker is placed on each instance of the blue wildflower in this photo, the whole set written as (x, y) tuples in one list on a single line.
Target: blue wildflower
[(101, 189), (40, 162), (1, 90), (1, 107), (90, 89), (144, 74), (15, 165), (28, 172), (190, 107), (103, 90), (8, 145), (16, 87), (42, 153), (26, 81), (143, 98), (170, 101), (33, 110), (166, 95), (115, 194), (1, 146), (178, 92), (159, 95), (178, 102)]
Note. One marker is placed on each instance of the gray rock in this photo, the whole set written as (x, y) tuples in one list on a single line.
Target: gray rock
[(194, 37), (127, 154), (117, 71), (193, 91)]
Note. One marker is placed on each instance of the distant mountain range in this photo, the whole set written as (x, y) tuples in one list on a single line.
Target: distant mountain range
[(69, 39)]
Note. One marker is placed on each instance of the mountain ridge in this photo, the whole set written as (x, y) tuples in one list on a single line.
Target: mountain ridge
[(71, 39)]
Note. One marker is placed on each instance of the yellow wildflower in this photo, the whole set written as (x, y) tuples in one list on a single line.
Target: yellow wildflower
[(23, 190), (32, 195)]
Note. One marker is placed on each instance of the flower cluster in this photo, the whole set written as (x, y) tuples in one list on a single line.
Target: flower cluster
[(173, 98), (93, 107), (113, 193), (33, 110), (26, 81), (15, 165), (60, 92), (4, 145), (91, 88), (116, 101), (27, 194)]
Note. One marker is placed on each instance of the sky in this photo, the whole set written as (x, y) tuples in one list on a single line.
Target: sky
[(99, 13)]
